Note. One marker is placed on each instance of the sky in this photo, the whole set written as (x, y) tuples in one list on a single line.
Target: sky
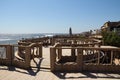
[(56, 16)]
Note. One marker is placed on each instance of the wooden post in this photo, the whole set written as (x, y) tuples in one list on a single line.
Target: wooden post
[(73, 52), (52, 58), (111, 57), (79, 59), (98, 57), (59, 53), (53, 41), (40, 51), (27, 57), (10, 53)]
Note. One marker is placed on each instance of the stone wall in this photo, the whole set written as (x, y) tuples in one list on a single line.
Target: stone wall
[(80, 65), (8, 58), (11, 60)]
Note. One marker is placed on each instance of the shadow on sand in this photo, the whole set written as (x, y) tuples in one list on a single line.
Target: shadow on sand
[(63, 75), (32, 71)]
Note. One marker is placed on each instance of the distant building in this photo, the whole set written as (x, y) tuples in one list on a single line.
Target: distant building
[(70, 31), (111, 26)]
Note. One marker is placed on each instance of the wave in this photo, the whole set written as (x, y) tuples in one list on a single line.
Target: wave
[(49, 35), (5, 39), (13, 38)]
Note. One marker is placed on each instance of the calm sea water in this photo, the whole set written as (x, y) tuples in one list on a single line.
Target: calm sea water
[(13, 38)]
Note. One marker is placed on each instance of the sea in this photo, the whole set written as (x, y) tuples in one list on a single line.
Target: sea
[(14, 38)]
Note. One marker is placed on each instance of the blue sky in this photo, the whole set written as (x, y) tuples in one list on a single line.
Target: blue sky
[(56, 16)]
